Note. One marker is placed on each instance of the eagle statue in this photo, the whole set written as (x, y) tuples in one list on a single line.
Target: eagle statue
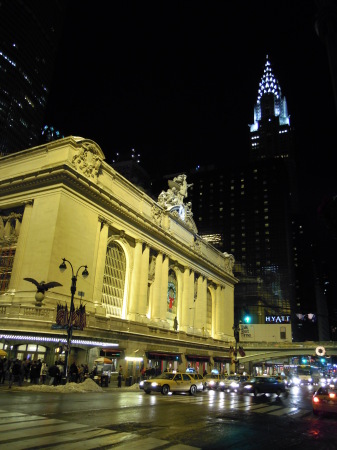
[(43, 286)]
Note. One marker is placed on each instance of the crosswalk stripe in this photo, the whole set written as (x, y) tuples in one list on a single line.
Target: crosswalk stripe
[(14, 419), (28, 424), (267, 409), (99, 441), (8, 414), (283, 411), (230, 403), (151, 443), (40, 430)]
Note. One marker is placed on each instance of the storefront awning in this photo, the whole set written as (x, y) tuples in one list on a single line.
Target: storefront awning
[(203, 358), (223, 359), (163, 355)]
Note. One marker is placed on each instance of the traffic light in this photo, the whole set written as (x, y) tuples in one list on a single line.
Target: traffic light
[(247, 318)]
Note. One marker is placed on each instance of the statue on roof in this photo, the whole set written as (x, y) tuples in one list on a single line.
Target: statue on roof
[(173, 200)]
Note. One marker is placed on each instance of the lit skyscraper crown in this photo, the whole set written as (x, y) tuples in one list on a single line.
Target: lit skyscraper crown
[(269, 83)]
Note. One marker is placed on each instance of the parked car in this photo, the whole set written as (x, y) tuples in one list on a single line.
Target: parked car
[(213, 380), (324, 400), (263, 385), (200, 381), (171, 382)]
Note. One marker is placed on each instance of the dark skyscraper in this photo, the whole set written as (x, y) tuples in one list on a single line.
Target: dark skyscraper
[(29, 36), (252, 212)]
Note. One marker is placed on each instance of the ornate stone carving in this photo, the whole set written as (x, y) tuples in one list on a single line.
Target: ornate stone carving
[(157, 215), (173, 201), (10, 228), (229, 262), (88, 160)]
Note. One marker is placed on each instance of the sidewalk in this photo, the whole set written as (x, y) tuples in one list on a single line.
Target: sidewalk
[(113, 386)]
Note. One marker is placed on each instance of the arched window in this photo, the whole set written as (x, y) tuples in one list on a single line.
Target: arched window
[(114, 280), (172, 293)]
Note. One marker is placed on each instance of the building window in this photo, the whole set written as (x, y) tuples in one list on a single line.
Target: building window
[(114, 280), (283, 334), (172, 291), (6, 264)]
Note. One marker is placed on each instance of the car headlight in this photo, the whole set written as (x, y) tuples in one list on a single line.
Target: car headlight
[(222, 383), (310, 380), (234, 384), (212, 382), (296, 381), (248, 386), (141, 383), (154, 384)]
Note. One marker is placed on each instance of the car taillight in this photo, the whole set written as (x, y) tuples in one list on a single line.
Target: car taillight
[(332, 395), (315, 400)]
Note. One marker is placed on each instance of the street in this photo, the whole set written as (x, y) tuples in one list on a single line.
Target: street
[(123, 419)]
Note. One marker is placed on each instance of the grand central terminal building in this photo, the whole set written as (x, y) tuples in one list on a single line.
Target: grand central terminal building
[(154, 294)]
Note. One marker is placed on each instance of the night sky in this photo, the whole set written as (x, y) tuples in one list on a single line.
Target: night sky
[(178, 81)]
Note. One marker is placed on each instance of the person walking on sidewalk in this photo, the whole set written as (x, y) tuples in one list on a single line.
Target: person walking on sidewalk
[(120, 376), (43, 372)]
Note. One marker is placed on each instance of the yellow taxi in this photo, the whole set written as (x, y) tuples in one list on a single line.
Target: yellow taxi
[(214, 380), (169, 382), (200, 380), (324, 400)]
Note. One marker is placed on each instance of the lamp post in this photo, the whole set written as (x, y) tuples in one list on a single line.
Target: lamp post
[(236, 329), (85, 273)]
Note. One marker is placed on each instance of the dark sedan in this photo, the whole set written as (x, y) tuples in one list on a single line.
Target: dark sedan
[(263, 385)]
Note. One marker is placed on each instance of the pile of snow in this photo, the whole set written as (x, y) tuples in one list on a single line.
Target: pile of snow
[(87, 386)]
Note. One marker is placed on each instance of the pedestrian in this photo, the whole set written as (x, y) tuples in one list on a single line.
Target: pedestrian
[(34, 373), (54, 373), (2, 369), (26, 366), (43, 372), (120, 376), (73, 372), (15, 373)]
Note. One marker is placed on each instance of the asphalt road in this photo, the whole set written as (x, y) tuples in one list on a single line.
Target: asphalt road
[(125, 419)]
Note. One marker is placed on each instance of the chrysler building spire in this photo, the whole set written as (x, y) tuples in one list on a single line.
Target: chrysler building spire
[(269, 86), (270, 132)]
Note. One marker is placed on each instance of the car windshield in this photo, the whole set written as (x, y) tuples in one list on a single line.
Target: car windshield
[(166, 376), (212, 376)]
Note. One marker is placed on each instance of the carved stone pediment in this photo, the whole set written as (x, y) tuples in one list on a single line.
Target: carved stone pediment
[(88, 159)]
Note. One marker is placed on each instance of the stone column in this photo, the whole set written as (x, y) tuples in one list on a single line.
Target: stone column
[(187, 300), (213, 294), (228, 310), (142, 308), (220, 311), (17, 276), (135, 281), (100, 265), (201, 306)]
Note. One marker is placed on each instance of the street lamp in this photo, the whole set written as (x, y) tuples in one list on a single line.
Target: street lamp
[(236, 329), (85, 273)]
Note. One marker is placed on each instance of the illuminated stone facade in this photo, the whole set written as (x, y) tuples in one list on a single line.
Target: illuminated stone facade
[(156, 292)]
